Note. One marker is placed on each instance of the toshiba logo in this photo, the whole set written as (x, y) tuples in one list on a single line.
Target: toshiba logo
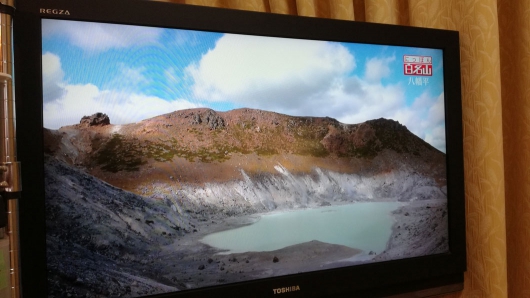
[(286, 290), (55, 11)]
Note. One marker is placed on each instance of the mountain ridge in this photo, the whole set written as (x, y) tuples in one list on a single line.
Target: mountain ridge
[(252, 140)]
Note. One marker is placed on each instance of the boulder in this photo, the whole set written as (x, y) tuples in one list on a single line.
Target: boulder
[(97, 119)]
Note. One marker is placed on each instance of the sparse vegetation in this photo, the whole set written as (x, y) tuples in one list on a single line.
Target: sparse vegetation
[(308, 139), (254, 133), (119, 154)]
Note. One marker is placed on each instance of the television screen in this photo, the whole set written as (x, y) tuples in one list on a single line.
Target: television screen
[(187, 158)]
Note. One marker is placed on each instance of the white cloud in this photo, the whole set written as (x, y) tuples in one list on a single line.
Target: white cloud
[(67, 104), (377, 68), (134, 75), (310, 78), (96, 37), (437, 110), (357, 100), (121, 107), (426, 119), (296, 77), (53, 76), (437, 138), (268, 73)]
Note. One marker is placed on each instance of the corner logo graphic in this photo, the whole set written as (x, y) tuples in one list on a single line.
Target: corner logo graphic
[(417, 65), (54, 11)]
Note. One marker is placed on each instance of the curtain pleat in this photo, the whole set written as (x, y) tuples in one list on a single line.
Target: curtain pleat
[(387, 11), (359, 10), (306, 8), (514, 20), (213, 3), (477, 23), (283, 6), (495, 53), (403, 13), (252, 5), (382, 11), (426, 14), (341, 9)]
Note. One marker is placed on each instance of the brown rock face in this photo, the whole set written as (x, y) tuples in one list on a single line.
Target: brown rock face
[(97, 119), (202, 145)]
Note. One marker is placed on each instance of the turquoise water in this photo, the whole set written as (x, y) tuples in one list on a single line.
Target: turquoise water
[(365, 226)]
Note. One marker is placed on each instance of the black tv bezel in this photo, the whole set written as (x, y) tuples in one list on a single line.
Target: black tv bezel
[(372, 280)]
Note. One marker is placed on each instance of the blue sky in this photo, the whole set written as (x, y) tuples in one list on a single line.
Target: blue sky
[(132, 73)]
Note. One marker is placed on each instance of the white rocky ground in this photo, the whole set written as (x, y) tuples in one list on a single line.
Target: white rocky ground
[(263, 193)]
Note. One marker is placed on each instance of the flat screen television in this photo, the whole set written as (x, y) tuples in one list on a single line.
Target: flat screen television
[(183, 151)]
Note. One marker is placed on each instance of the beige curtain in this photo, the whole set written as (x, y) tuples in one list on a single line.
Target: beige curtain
[(495, 59)]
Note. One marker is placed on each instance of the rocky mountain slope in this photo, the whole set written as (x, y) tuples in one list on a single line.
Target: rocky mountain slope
[(135, 199), (247, 161), (201, 145), (93, 227)]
